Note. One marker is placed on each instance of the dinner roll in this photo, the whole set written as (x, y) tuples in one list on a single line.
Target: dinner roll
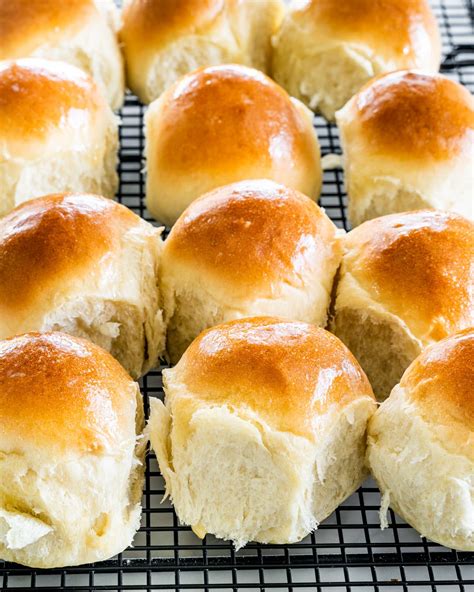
[(165, 39), (71, 472), (421, 443), (326, 50), (406, 281), (225, 124), (264, 430), (85, 265), (247, 249), (80, 32), (408, 141), (57, 133)]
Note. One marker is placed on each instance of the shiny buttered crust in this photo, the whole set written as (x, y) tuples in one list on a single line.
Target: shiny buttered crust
[(57, 132), (417, 266), (80, 32), (164, 40), (45, 104), (408, 140), (253, 247), (225, 124), (254, 407), (86, 265), (70, 476), (421, 443), (405, 282), (412, 116), (326, 49)]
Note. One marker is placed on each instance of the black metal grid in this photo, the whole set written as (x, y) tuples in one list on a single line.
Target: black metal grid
[(348, 552)]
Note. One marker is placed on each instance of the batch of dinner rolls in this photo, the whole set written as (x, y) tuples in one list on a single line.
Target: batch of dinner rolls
[(302, 358)]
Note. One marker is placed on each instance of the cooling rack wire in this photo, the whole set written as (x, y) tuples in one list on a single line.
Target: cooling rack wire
[(348, 552)]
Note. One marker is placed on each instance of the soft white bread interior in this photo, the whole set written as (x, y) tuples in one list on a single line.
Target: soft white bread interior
[(71, 470), (85, 265), (326, 50), (408, 143), (80, 32), (248, 249), (57, 133), (164, 40), (221, 125), (264, 430), (406, 281), (421, 443)]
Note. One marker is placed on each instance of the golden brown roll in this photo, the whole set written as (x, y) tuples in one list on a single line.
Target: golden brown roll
[(225, 124), (71, 472), (57, 133), (80, 32), (326, 50), (85, 265), (421, 444), (406, 281), (408, 141), (165, 39), (246, 249), (264, 430)]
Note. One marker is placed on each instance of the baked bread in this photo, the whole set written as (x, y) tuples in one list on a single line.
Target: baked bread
[(225, 124), (421, 444), (71, 475), (264, 430), (57, 133), (85, 265), (326, 50), (80, 32), (247, 249), (406, 281), (408, 142), (165, 39)]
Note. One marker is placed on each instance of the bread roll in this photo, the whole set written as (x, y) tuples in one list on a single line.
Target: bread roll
[(221, 125), (165, 39), (71, 473), (57, 133), (85, 265), (406, 281), (263, 433), (421, 443), (408, 141), (247, 249), (326, 50), (80, 32)]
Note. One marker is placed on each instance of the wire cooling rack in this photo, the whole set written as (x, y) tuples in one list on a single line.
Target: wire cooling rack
[(348, 552)]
